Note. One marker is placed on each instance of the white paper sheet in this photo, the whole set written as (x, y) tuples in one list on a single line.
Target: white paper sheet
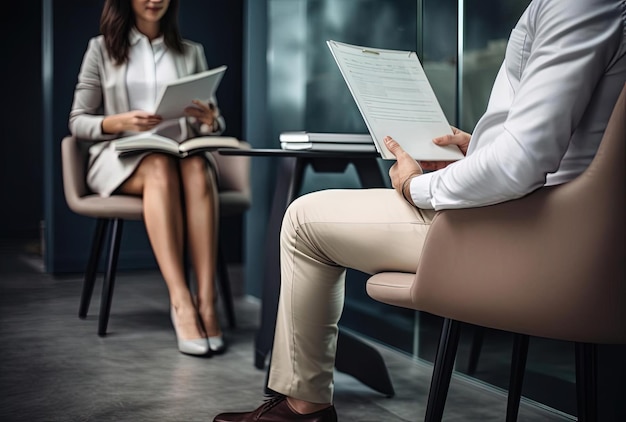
[(179, 94), (395, 98)]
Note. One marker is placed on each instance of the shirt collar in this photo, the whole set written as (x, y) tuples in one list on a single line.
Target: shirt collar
[(135, 36)]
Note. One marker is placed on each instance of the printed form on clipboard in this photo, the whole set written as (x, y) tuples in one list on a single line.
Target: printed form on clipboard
[(395, 99)]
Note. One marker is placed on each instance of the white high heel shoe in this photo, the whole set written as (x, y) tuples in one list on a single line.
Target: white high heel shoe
[(196, 346), (216, 344)]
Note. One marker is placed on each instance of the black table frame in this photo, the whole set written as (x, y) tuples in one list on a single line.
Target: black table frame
[(353, 357)]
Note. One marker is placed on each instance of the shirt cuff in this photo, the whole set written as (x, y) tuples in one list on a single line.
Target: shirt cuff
[(420, 191)]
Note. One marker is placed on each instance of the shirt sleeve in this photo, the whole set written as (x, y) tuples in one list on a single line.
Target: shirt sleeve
[(572, 43)]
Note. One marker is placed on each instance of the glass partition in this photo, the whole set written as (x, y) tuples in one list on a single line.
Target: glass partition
[(307, 92), (439, 52), (306, 87), (486, 25)]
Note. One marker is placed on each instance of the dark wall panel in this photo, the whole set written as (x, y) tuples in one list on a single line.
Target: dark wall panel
[(20, 84), (218, 25)]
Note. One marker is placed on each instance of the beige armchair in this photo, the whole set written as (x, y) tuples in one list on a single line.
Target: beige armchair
[(111, 212), (550, 264)]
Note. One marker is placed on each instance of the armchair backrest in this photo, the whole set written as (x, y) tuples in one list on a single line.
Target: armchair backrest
[(234, 171), (549, 264), (74, 157), (73, 162)]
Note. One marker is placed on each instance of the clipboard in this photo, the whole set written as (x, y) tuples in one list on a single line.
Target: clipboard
[(395, 99)]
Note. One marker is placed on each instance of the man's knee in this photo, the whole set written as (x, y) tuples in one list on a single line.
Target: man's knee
[(297, 211), (306, 209)]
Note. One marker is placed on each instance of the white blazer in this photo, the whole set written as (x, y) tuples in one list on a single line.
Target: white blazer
[(101, 91)]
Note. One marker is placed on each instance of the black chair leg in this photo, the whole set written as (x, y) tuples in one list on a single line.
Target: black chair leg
[(516, 380), (109, 277), (92, 267), (225, 288), (477, 345), (363, 362), (587, 382), (442, 370)]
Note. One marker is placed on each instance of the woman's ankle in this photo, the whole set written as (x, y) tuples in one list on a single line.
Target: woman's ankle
[(182, 301), (210, 321), (211, 326)]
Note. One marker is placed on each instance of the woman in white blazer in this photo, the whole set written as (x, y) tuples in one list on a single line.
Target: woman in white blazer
[(139, 51)]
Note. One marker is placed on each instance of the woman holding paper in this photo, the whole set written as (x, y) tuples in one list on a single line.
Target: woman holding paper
[(123, 69)]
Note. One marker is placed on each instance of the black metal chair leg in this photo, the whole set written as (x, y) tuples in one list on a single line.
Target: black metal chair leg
[(92, 266), (442, 370), (516, 380), (225, 288), (587, 382), (109, 277), (353, 355), (477, 345)]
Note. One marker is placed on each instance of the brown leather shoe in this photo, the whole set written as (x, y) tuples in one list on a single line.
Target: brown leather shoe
[(277, 410)]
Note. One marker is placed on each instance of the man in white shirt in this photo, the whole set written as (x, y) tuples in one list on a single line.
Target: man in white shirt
[(564, 68)]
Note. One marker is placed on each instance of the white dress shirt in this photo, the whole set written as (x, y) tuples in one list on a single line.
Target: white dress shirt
[(564, 67), (150, 67)]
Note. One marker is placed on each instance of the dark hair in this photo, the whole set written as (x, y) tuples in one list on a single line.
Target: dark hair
[(118, 19)]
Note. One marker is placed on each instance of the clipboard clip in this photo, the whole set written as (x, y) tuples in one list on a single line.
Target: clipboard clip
[(368, 51)]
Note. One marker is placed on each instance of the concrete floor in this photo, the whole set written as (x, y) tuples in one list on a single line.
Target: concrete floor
[(54, 367)]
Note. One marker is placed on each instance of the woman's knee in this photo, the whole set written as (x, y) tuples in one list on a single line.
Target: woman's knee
[(160, 168), (195, 174)]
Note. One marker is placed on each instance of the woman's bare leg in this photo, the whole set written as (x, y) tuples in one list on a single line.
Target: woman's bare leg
[(201, 204), (157, 180)]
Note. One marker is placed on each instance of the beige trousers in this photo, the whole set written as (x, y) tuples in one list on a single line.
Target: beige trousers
[(370, 230)]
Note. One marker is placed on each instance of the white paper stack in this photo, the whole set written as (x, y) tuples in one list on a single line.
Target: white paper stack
[(349, 142)]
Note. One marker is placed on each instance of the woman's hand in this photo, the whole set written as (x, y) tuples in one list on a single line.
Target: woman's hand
[(403, 170), (459, 138), (205, 113), (132, 121)]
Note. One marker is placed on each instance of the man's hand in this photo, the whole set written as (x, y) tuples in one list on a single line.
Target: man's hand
[(403, 170), (459, 138)]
